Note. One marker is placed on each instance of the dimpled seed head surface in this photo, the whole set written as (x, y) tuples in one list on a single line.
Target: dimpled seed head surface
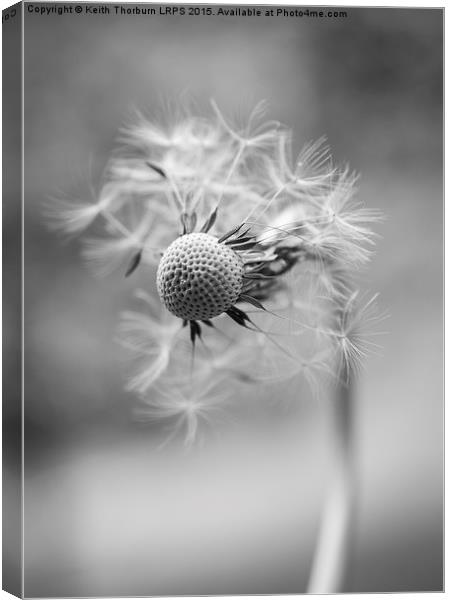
[(198, 278)]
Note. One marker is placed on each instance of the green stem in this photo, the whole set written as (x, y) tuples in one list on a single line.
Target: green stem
[(333, 549)]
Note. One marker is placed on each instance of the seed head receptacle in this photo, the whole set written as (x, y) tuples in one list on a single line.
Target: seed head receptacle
[(199, 278)]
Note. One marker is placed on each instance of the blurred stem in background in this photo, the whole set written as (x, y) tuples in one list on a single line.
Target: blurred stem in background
[(329, 572)]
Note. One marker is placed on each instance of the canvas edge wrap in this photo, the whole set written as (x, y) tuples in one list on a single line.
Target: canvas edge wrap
[(12, 301)]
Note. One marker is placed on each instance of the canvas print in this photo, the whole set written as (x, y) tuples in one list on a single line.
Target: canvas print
[(229, 377)]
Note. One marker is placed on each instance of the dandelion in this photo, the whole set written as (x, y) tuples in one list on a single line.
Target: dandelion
[(237, 231), (254, 255)]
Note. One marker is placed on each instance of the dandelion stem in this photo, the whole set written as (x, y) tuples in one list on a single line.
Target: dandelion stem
[(329, 572)]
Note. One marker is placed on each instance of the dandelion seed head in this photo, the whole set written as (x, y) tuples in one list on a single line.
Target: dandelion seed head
[(242, 233), (198, 278)]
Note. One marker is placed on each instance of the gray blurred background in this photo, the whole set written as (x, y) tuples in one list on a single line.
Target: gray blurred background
[(105, 512)]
